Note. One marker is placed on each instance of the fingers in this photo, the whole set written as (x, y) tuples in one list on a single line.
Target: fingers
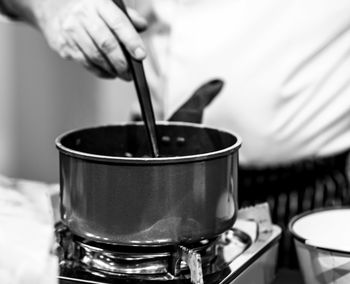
[(99, 67), (76, 53), (94, 58), (75, 44), (108, 47), (123, 29)]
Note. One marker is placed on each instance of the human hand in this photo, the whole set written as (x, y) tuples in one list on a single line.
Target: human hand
[(90, 32)]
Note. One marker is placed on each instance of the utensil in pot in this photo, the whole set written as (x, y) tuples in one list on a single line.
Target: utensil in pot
[(192, 110), (143, 93)]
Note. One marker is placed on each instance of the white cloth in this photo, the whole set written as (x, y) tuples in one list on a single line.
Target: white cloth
[(285, 63), (27, 233)]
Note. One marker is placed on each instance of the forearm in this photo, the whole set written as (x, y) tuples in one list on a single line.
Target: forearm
[(22, 10)]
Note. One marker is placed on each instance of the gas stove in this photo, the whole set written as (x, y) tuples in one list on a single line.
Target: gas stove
[(236, 256)]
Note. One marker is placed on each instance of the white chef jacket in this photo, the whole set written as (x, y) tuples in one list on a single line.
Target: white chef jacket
[(285, 64)]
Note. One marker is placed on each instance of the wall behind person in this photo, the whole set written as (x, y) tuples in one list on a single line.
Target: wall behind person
[(6, 101), (42, 96)]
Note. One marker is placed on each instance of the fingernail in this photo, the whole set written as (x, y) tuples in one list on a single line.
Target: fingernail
[(139, 53)]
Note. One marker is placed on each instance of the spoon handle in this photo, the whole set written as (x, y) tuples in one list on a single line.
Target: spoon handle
[(142, 90)]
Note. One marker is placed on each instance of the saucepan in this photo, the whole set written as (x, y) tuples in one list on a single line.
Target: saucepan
[(113, 192)]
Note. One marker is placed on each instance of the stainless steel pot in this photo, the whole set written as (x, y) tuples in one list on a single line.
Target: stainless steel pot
[(111, 193)]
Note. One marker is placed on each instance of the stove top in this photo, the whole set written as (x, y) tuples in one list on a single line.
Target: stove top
[(226, 259)]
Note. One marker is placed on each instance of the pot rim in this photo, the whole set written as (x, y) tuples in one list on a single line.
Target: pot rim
[(148, 160)]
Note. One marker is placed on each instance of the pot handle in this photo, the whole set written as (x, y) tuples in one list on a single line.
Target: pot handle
[(192, 110)]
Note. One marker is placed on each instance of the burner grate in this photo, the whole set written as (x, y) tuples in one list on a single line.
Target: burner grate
[(149, 263)]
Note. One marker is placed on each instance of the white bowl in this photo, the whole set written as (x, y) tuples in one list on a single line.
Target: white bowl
[(322, 240)]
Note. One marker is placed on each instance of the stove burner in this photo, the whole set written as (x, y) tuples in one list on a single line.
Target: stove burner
[(148, 263)]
